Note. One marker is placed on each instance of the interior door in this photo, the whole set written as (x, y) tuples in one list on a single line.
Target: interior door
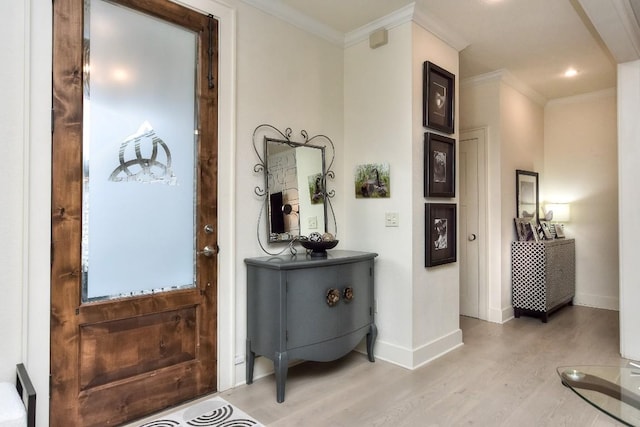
[(134, 209), (469, 229)]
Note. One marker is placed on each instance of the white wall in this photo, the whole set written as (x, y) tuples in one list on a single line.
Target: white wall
[(515, 124), (581, 168), (12, 133), (288, 78), (571, 143), (417, 314), (522, 130), (479, 108), (629, 207), (378, 126), (436, 290)]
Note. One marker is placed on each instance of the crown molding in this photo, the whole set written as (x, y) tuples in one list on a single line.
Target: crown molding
[(298, 19), (438, 29), (505, 76), (411, 12), (389, 21), (617, 25), (591, 96)]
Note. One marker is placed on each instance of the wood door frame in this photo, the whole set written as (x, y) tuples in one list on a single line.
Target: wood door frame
[(67, 311), (481, 134)]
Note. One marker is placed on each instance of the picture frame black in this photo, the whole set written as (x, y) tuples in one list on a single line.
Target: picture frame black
[(527, 200), (546, 229), (438, 94), (439, 165), (526, 230), (440, 233)]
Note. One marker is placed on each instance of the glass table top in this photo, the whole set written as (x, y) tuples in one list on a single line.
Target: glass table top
[(614, 390)]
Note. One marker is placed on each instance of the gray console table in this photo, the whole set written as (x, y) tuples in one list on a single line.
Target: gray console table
[(308, 308), (543, 276)]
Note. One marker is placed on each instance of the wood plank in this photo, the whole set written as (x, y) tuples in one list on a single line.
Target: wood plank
[(504, 375)]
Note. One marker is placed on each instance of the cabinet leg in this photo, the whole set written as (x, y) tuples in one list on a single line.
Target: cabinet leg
[(371, 340), (251, 357), (280, 365)]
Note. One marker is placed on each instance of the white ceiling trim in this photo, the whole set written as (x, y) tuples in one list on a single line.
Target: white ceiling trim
[(438, 29), (591, 96), (298, 19), (629, 23), (399, 17), (619, 31), (389, 21), (506, 77)]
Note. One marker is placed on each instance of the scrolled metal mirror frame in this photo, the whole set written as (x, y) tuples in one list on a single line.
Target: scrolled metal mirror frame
[(269, 131)]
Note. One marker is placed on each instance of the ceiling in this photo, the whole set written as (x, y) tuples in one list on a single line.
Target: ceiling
[(535, 40)]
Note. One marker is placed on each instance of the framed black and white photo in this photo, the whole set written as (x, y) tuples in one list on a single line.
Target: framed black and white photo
[(440, 233), (546, 229), (437, 97), (439, 166), (527, 205), (526, 230)]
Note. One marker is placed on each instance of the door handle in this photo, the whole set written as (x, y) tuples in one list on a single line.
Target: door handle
[(209, 251), (472, 237)]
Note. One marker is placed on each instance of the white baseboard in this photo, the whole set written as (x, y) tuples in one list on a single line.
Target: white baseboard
[(500, 316), (597, 301), (412, 359)]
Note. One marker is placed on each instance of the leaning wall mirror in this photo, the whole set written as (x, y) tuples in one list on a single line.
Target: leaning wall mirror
[(296, 201), (527, 203)]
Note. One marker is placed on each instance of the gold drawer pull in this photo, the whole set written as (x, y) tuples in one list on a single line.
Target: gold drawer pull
[(347, 294)]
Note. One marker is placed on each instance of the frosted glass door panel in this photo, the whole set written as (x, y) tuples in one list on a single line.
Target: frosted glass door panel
[(139, 155)]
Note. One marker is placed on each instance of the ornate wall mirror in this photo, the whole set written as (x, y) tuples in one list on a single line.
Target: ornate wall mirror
[(297, 202)]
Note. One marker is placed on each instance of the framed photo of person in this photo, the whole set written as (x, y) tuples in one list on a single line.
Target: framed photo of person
[(439, 166), (440, 233), (438, 94)]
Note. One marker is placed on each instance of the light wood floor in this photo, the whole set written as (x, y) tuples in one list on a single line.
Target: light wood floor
[(504, 375)]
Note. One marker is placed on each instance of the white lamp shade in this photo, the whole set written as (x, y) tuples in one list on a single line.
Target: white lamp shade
[(561, 211)]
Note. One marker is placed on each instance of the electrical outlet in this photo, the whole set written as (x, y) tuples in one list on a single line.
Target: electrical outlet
[(313, 222), (391, 219)]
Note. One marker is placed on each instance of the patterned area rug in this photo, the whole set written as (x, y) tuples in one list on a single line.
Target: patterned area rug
[(215, 412)]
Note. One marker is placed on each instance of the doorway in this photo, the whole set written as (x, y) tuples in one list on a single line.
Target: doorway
[(473, 226), (134, 209)]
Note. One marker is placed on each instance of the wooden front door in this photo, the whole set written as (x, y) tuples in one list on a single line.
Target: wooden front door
[(134, 209)]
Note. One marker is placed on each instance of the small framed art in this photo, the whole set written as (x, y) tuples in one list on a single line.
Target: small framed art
[(440, 233), (546, 229), (437, 98), (439, 166), (526, 230)]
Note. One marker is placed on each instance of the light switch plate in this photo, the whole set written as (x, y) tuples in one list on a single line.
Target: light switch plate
[(391, 219), (313, 222)]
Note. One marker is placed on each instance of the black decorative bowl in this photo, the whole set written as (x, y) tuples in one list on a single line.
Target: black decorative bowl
[(319, 248)]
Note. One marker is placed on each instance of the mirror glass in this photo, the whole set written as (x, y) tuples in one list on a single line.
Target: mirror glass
[(295, 195)]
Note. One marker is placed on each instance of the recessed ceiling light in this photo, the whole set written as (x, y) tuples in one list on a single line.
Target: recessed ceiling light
[(571, 72)]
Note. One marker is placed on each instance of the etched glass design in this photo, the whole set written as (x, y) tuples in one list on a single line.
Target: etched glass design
[(139, 154)]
